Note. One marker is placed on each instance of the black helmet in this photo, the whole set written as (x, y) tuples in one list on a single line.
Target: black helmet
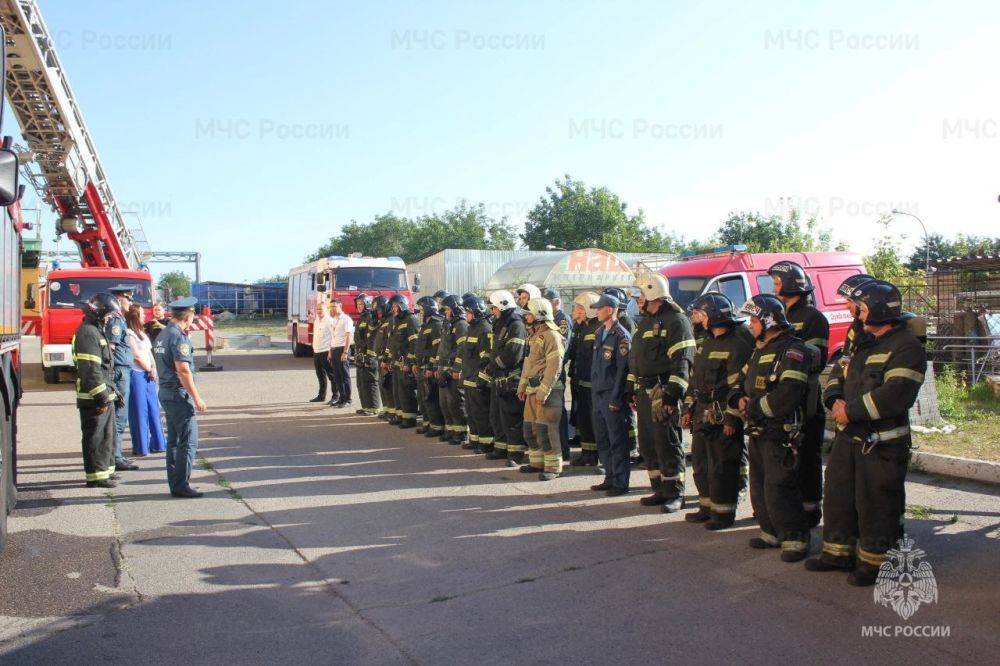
[(474, 304), (440, 294), (768, 308), (365, 299), (718, 309), (399, 301), (452, 303), (428, 305), (101, 305), (851, 283), (381, 305), (883, 300), (618, 293), (794, 280)]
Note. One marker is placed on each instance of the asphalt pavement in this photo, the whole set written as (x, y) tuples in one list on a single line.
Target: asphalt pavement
[(327, 537)]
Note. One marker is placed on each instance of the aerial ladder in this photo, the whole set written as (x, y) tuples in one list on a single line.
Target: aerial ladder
[(62, 162)]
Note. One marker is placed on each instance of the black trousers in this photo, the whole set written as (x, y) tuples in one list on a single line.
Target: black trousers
[(716, 461), (432, 403), (367, 378), (811, 463), (582, 407), (453, 407), (341, 374), (404, 390), (662, 448), (98, 442), (385, 384), (512, 422), (477, 407), (324, 374), (496, 423), (864, 502), (776, 496)]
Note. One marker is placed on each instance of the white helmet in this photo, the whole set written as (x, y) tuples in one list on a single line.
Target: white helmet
[(540, 309), (531, 290), (586, 300), (502, 299), (653, 286)]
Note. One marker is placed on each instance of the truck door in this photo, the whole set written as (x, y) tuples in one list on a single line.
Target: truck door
[(732, 285)]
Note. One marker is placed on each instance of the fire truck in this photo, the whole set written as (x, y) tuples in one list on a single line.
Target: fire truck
[(345, 278), (63, 166), (739, 274)]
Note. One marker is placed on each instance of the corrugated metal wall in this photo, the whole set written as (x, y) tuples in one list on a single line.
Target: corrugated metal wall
[(459, 271)]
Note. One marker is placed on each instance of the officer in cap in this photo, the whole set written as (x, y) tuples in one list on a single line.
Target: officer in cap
[(608, 372), (179, 396), (629, 325), (116, 331), (793, 287), (866, 472)]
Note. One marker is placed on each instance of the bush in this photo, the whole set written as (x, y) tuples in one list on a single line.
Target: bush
[(960, 402)]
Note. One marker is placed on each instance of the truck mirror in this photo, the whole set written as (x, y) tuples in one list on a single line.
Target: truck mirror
[(321, 288), (416, 283), (9, 190)]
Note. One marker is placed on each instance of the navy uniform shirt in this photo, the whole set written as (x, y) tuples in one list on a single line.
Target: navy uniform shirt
[(116, 330), (609, 367), (172, 345)]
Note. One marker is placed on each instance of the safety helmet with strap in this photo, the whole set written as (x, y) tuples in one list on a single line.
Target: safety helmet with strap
[(540, 309), (882, 300), (794, 281), (586, 300), (718, 309)]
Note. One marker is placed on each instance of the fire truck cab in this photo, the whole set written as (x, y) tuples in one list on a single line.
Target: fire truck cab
[(61, 296), (338, 277), (739, 274)]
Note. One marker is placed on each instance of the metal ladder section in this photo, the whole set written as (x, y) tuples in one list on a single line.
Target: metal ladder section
[(65, 162)]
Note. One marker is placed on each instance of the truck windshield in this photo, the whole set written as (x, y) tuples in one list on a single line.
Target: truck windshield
[(686, 289), (70, 292), (369, 278)]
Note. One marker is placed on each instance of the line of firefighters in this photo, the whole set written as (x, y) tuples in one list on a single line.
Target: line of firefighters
[(490, 376)]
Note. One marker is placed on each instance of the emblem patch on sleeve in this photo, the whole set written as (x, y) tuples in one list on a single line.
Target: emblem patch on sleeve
[(623, 348), (116, 330), (608, 354), (184, 349)]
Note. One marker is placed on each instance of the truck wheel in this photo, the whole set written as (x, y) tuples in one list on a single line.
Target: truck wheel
[(299, 350), (51, 375)]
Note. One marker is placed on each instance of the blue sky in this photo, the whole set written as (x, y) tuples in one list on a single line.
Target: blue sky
[(252, 132)]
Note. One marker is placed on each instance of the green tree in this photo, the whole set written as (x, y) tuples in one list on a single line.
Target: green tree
[(772, 233), (175, 283), (942, 248), (277, 277), (572, 216)]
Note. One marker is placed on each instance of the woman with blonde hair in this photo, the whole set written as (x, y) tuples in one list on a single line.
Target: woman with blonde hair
[(143, 405)]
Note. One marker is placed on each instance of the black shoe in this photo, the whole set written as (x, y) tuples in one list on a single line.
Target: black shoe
[(717, 523), (615, 491), (530, 469), (422, 430), (361, 412), (496, 454), (430, 434), (485, 448), (384, 416), (103, 483), (819, 564), (406, 424), (655, 499), (699, 516), (793, 555), (186, 492), (672, 506), (332, 402), (319, 398), (760, 544), (126, 466), (444, 437), (340, 404), (813, 518), (862, 578), (548, 476), (603, 485), (515, 459), (468, 445), (115, 477)]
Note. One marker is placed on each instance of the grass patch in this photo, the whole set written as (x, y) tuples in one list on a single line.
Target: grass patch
[(275, 328), (917, 511), (974, 411)]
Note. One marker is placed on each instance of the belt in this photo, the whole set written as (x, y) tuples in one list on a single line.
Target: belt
[(649, 381), (886, 435)]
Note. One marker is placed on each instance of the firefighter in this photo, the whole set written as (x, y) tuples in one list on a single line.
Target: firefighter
[(579, 357), (474, 354), (404, 329), (866, 472), (794, 287), (717, 446), (609, 370), (772, 398), (116, 331), (364, 357), (505, 369), (449, 376), (541, 390), (659, 363), (565, 325), (629, 325), (380, 348), (525, 293), (426, 346), (439, 296), (96, 397), (496, 425)]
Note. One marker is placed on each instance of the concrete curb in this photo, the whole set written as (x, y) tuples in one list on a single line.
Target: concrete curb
[(983, 471)]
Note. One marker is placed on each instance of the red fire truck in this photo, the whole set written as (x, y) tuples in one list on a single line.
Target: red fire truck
[(739, 274), (65, 170), (338, 277)]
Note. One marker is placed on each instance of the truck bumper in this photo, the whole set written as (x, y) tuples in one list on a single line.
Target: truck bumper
[(57, 356)]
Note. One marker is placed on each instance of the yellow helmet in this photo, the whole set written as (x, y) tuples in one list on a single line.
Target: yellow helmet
[(531, 290), (653, 286), (586, 300), (540, 309)]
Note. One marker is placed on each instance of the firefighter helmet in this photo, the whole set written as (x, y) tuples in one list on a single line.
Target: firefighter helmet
[(474, 304), (428, 305), (102, 304), (440, 294), (531, 290), (794, 281), (365, 300), (768, 308), (586, 300), (718, 309), (618, 293), (653, 286), (452, 303), (502, 299), (852, 283), (882, 300), (381, 305), (399, 301), (540, 309)]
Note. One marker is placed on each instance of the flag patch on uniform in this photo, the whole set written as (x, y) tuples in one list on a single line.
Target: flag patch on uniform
[(795, 355)]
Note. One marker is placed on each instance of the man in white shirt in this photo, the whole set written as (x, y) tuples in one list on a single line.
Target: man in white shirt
[(322, 344), (342, 337)]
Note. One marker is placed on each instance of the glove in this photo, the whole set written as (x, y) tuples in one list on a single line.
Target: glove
[(119, 400)]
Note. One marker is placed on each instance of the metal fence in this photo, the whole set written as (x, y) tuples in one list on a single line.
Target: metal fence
[(252, 300)]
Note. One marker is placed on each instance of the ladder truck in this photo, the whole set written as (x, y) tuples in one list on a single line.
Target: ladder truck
[(63, 166), (11, 226)]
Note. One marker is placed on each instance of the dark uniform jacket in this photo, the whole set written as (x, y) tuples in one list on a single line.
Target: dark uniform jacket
[(810, 326), (364, 337), (718, 362), (662, 352), (609, 366), (775, 379), (427, 343), (627, 322), (382, 336), (580, 354), (94, 366), (405, 327), (508, 352), (835, 382), (154, 327), (881, 384), (452, 335), (474, 353)]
